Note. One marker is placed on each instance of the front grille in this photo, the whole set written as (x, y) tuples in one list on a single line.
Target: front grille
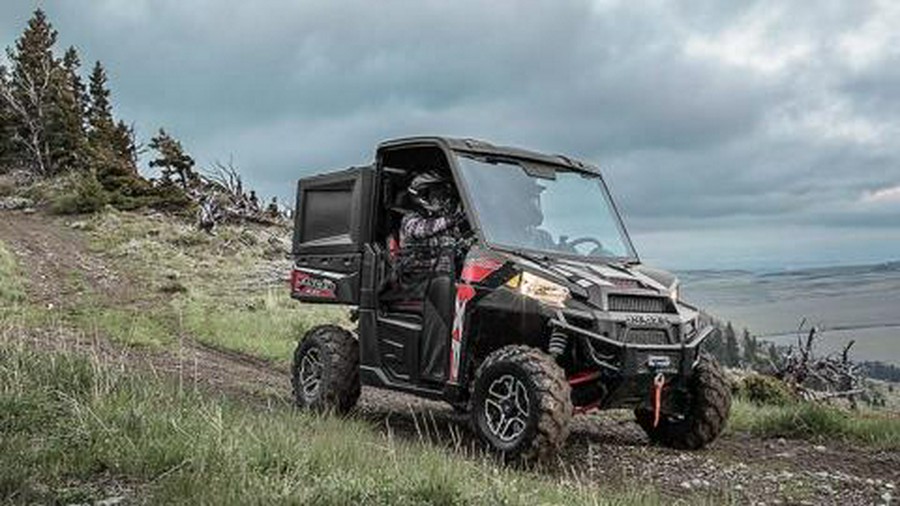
[(647, 336), (638, 304)]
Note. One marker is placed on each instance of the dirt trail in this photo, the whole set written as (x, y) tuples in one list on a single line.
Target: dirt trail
[(608, 449), (50, 253)]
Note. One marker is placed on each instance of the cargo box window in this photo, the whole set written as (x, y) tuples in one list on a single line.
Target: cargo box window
[(326, 214)]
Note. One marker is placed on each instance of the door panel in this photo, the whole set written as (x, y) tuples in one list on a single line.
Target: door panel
[(326, 278), (332, 224)]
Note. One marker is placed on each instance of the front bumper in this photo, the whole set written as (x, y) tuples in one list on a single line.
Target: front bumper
[(628, 369), (630, 359)]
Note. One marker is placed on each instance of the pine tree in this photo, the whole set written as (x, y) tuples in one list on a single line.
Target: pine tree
[(774, 356), (112, 144), (67, 138), (750, 349), (104, 132), (99, 111), (732, 352), (72, 66), (124, 144), (176, 166), (40, 95), (28, 93)]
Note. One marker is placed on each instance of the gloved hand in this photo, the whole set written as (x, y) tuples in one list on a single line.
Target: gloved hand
[(459, 215)]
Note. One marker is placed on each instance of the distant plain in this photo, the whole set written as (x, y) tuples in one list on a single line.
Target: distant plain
[(847, 302)]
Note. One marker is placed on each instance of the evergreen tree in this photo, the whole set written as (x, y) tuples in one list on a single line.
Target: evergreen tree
[(176, 166), (732, 352), (72, 66), (124, 144), (105, 133), (774, 356), (99, 111), (66, 135), (112, 144), (28, 93), (751, 349), (44, 112)]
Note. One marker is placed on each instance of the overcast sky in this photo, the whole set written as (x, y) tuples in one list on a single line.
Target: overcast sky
[(733, 134)]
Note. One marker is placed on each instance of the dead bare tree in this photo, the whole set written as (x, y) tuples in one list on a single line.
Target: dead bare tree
[(820, 378), (221, 196)]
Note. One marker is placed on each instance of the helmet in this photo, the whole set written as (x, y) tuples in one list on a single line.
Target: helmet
[(431, 191)]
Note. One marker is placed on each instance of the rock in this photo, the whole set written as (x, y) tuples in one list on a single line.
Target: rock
[(819, 448), (685, 485), (781, 441), (15, 203), (111, 501), (78, 225), (889, 486), (886, 497)]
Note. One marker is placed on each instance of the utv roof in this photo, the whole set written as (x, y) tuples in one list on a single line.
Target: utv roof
[(486, 148)]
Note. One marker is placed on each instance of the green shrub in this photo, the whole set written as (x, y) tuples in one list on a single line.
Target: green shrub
[(83, 194), (762, 389)]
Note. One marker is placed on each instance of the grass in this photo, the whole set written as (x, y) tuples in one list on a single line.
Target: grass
[(75, 429), (808, 420), (266, 325), (224, 290), (131, 326), (11, 289)]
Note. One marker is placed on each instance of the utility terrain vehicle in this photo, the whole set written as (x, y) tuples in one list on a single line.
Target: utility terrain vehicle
[(523, 335)]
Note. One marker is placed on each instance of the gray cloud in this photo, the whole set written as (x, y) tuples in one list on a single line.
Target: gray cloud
[(729, 126)]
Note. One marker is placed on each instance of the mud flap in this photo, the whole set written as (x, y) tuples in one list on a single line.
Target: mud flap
[(437, 319)]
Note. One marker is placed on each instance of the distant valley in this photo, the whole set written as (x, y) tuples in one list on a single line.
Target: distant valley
[(846, 302)]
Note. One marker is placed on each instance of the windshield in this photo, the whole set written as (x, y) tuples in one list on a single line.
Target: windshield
[(525, 205)]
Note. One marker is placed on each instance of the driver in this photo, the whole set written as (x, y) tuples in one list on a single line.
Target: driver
[(430, 233)]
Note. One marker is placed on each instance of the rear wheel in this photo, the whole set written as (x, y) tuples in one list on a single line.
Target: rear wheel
[(709, 403), (521, 403), (325, 372)]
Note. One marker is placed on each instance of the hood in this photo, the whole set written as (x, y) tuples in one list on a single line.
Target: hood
[(589, 280)]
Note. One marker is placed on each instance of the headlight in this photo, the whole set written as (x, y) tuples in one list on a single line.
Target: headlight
[(536, 287), (675, 292)]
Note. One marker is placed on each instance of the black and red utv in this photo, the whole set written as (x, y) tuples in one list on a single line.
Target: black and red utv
[(547, 312)]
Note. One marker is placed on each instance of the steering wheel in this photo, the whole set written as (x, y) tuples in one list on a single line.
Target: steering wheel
[(598, 246)]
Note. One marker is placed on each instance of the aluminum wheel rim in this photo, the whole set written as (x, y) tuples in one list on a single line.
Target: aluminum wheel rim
[(310, 374), (506, 408)]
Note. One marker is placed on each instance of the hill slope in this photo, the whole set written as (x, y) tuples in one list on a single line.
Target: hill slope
[(189, 334)]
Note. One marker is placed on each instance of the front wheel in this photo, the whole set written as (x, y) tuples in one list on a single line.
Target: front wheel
[(709, 403), (325, 372), (521, 403)]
